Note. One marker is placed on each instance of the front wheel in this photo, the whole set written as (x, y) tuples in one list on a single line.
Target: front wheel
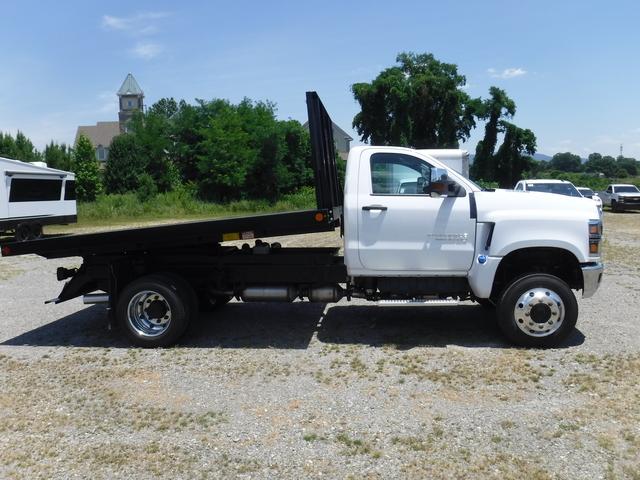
[(154, 310), (537, 310), (614, 206)]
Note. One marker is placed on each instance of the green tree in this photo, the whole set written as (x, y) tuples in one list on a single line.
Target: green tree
[(7, 145), (418, 103), (165, 107), (24, 149), (514, 155), (58, 156), (153, 138), (494, 109), (566, 162), (629, 165), (596, 163), (85, 166), (18, 148), (125, 166), (225, 154)]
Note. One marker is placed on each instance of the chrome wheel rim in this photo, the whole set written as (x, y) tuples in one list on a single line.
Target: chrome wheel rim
[(149, 313), (539, 312)]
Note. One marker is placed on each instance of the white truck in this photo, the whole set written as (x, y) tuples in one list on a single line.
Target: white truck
[(440, 242), (32, 195), (619, 196)]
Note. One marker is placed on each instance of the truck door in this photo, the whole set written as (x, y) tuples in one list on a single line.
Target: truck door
[(402, 225)]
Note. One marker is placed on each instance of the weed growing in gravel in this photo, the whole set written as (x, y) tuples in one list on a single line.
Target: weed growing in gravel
[(355, 446)]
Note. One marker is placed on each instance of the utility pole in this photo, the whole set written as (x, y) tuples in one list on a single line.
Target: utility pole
[(621, 151)]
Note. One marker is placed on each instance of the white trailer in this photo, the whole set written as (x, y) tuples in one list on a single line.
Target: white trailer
[(456, 159), (32, 196)]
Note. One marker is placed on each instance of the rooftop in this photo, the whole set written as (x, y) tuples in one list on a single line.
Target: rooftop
[(130, 87)]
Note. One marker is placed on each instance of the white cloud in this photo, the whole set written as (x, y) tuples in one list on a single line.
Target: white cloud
[(146, 50), (115, 23), (139, 24), (507, 72)]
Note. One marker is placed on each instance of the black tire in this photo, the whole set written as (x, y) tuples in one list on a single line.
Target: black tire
[(149, 300), (614, 206), (209, 302), (186, 290), (537, 310), (23, 232), (36, 231)]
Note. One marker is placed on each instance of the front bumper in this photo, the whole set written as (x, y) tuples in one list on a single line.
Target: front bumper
[(591, 278), (628, 205)]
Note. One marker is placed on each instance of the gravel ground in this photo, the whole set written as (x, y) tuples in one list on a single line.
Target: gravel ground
[(314, 391)]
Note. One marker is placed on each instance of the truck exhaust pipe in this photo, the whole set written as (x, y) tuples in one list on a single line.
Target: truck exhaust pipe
[(93, 298)]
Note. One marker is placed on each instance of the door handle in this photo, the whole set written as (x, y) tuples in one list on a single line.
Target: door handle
[(368, 208)]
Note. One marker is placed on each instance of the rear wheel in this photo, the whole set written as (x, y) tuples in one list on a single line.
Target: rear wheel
[(36, 230), (537, 311), (154, 311), (23, 232), (28, 231)]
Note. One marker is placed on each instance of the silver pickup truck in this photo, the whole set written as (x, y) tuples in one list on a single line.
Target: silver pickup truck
[(621, 196)]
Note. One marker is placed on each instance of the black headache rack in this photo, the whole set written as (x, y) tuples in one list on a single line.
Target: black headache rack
[(190, 234), (329, 193)]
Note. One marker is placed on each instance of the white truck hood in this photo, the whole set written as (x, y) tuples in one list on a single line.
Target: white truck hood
[(502, 204), (528, 219)]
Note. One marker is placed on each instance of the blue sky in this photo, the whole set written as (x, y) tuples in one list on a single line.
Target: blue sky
[(571, 66)]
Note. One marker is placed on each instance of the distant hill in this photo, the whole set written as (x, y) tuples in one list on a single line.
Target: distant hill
[(542, 156), (537, 156)]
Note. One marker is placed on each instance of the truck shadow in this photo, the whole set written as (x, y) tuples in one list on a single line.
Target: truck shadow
[(292, 326)]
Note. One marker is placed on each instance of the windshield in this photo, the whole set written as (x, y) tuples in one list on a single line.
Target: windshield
[(586, 192), (559, 188), (627, 189)]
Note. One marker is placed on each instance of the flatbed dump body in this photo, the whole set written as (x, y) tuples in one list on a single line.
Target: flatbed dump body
[(180, 235)]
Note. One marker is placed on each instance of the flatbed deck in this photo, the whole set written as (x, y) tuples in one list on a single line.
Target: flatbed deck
[(180, 235)]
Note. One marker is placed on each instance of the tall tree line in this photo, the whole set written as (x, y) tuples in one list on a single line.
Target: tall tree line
[(421, 103)]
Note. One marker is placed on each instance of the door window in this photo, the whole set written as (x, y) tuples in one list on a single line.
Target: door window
[(399, 174)]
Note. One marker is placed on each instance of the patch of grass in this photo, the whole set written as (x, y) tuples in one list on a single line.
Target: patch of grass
[(356, 446), (179, 204), (506, 424)]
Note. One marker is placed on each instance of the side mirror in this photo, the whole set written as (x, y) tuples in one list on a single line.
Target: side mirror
[(455, 189)]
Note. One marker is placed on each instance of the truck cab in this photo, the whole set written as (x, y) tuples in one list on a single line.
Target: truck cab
[(447, 238)]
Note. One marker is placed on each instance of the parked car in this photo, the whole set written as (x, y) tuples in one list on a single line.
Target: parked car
[(621, 197), (588, 193), (560, 187)]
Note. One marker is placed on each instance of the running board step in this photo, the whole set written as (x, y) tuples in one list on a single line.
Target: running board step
[(416, 303)]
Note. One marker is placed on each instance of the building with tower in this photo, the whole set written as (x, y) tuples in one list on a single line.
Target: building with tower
[(130, 100)]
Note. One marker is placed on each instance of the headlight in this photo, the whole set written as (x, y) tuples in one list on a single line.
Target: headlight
[(595, 235)]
